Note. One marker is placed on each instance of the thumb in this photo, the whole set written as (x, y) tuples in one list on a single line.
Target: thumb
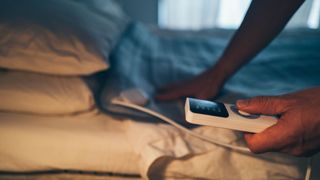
[(269, 105)]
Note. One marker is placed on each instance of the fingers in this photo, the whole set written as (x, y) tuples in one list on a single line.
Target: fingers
[(168, 95), (279, 139), (200, 87), (206, 93), (274, 137), (177, 91), (269, 105), (271, 139), (171, 92)]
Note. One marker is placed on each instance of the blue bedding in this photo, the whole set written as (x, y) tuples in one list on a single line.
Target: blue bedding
[(148, 58)]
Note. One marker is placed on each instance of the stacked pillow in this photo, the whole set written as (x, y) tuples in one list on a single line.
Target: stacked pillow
[(31, 47), (24, 92), (96, 23), (47, 47)]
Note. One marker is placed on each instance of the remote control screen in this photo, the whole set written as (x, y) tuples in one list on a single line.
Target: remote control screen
[(208, 108)]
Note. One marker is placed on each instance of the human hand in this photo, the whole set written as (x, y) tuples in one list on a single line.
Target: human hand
[(204, 86), (297, 132)]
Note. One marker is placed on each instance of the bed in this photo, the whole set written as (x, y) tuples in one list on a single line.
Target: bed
[(104, 141), (149, 58), (58, 143)]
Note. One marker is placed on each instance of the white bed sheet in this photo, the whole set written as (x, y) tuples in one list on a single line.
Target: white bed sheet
[(93, 142), (98, 142), (167, 153), (88, 142), (149, 60)]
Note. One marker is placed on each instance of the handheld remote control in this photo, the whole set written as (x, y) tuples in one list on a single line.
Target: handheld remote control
[(225, 116)]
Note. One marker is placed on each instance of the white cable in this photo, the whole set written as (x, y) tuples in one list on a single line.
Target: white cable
[(178, 126), (309, 170)]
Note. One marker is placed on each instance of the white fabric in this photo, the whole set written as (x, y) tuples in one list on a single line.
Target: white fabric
[(89, 142), (30, 142), (166, 152), (43, 94), (148, 61), (97, 142), (34, 48)]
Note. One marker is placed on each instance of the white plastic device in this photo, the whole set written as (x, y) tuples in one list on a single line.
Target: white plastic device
[(131, 103), (225, 116)]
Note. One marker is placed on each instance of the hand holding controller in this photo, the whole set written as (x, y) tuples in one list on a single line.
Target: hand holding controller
[(225, 116)]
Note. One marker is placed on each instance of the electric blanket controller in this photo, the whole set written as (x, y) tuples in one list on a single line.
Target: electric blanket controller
[(225, 116)]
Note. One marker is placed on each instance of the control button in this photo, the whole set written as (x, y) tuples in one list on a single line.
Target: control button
[(244, 114)]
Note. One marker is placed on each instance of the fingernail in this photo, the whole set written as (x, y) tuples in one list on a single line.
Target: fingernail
[(242, 103)]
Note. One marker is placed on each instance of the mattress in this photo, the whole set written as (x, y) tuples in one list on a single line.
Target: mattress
[(89, 142)]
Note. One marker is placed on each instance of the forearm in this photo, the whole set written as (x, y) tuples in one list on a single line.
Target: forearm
[(262, 23)]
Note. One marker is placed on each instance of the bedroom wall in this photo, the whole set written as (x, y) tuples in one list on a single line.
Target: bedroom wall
[(142, 10)]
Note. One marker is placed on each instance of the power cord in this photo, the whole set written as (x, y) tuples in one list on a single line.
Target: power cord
[(127, 104), (119, 102), (309, 170)]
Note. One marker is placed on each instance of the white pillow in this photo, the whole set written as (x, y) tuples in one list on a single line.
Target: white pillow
[(97, 23), (43, 94), (34, 48)]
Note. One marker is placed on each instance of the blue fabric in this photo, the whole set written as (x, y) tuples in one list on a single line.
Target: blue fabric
[(149, 60)]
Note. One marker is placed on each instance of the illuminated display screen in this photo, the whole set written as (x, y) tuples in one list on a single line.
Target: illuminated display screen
[(208, 108)]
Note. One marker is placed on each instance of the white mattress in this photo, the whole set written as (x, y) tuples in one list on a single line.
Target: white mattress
[(90, 142)]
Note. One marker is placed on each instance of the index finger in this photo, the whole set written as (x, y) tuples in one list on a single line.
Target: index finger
[(271, 139)]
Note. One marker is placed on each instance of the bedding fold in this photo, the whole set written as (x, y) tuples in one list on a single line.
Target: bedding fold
[(149, 59), (85, 142), (164, 152)]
